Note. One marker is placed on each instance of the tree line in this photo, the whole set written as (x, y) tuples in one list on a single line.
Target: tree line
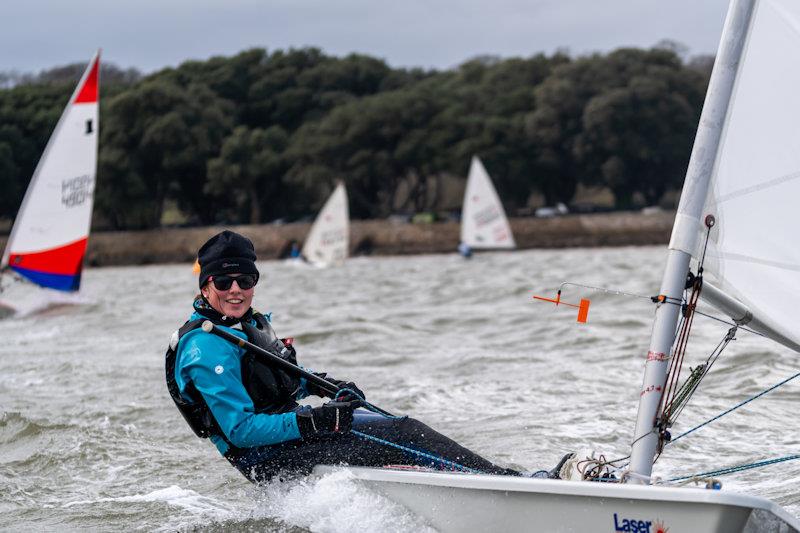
[(266, 135)]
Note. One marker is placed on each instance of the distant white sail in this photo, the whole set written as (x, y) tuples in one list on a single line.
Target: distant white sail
[(329, 239), (48, 241), (483, 220), (753, 255)]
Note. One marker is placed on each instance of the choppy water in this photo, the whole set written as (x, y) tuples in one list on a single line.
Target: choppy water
[(89, 438)]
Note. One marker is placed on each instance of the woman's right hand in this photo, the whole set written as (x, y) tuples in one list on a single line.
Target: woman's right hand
[(332, 417), (316, 390)]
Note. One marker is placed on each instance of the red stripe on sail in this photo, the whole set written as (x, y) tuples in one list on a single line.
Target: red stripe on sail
[(65, 260), (88, 93)]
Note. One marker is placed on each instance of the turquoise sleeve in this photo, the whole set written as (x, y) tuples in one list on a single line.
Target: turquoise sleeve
[(213, 365)]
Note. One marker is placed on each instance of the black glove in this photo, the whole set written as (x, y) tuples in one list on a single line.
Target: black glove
[(355, 395), (332, 417), (316, 390)]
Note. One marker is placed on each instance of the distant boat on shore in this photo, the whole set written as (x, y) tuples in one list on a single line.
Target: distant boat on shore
[(48, 241), (484, 224), (328, 241)]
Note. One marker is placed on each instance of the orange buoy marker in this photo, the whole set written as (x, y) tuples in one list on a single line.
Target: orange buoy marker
[(583, 307)]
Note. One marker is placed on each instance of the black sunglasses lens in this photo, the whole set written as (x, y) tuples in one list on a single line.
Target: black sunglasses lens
[(224, 283), (246, 282)]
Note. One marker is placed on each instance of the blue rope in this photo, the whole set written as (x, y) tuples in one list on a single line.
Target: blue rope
[(734, 469), (420, 453), (735, 407), (425, 455)]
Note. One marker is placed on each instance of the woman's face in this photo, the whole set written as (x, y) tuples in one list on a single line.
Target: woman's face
[(233, 302)]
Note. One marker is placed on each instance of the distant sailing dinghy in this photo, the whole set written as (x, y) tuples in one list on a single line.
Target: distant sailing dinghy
[(48, 240), (329, 239), (736, 224), (484, 224)]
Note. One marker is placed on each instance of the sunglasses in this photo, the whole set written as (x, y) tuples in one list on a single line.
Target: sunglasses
[(224, 283)]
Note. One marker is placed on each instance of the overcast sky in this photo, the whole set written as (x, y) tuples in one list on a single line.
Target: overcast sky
[(150, 34)]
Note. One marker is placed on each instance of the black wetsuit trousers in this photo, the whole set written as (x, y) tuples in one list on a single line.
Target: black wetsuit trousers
[(298, 457)]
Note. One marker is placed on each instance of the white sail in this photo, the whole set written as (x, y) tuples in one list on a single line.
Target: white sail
[(329, 239), (48, 241), (753, 256), (483, 220)]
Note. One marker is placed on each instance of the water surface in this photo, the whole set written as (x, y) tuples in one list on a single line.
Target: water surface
[(89, 438)]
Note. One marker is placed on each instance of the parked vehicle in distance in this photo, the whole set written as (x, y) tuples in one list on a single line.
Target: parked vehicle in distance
[(551, 211)]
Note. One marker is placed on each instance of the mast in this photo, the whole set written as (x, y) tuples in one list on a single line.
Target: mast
[(685, 232)]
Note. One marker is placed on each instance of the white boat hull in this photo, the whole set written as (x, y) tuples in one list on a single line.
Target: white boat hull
[(469, 502)]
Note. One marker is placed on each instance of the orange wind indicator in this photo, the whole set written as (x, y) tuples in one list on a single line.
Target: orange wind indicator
[(583, 307)]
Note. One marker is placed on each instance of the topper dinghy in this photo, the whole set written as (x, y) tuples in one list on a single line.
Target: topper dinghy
[(48, 241)]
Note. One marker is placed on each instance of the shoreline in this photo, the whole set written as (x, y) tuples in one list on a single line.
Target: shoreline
[(381, 237)]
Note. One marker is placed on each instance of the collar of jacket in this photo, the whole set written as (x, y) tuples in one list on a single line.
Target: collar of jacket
[(204, 308)]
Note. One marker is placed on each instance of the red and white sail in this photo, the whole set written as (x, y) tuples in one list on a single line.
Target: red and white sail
[(48, 241)]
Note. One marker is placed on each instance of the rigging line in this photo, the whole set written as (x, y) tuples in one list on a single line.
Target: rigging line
[(726, 340), (709, 224), (679, 352), (712, 317), (661, 298), (720, 320), (706, 368), (592, 468), (684, 394), (733, 469), (760, 394), (640, 437), (603, 289), (426, 455), (420, 453)]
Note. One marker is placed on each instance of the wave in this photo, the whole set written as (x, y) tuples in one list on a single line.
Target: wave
[(14, 426), (334, 503)]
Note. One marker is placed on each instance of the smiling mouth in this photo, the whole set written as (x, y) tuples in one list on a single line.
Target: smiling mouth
[(234, 301)]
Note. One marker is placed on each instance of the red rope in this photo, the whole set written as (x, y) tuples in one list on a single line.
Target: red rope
[(676, 363)]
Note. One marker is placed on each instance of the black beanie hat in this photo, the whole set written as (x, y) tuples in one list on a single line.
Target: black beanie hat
[(226, 253)]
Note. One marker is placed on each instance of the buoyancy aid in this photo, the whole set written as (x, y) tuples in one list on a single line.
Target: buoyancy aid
[(271, 389)]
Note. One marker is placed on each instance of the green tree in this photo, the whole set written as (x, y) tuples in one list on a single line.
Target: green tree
[(488, 104), (371, 144), (9, 181), (583, 102), (156, 139), (640, 137), (248, 173)]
